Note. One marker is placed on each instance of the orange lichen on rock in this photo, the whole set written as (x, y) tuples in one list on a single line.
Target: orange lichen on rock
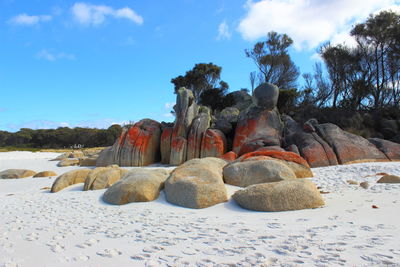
[(230, 156), (214, 144), (288, 156)]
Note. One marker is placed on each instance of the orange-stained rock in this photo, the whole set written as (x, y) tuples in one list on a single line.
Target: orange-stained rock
[(308, 144), (137, 146), (178, 151), (288, 156), (165, 145), (213, 144), (230, 156), (258, 124), (391, 149), (349, 147)]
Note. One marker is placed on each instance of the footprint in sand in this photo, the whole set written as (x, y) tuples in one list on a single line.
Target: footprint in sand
[(109, 253)]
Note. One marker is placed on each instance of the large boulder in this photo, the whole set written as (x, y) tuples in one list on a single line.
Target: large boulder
[(70, 178), (141, 145), (257, 124), (227, 119), (390, 149), (213, 144), (139, 185), (103, 177), (241, 98), (197, 184), (308, 144), (256, 172), (280, 196), (165, 145), (349, 148), (16, 173), (266, 96), (44, 174), (199, 125), (186, 110)]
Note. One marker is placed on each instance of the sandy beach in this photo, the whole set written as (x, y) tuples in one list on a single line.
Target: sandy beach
[(356, 227)]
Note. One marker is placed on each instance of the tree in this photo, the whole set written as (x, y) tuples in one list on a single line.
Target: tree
[(199, 79), (378, 41), (274, 62)]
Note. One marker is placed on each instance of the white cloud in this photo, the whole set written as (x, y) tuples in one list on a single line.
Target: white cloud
[(308, 22), (169, 105), (223, 31), (47, 55), (88, 14), (27, 20)]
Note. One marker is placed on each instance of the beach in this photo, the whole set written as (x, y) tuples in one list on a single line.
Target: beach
[(356, 227)]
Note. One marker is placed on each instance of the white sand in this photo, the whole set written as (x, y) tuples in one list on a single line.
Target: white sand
[(76, 228)]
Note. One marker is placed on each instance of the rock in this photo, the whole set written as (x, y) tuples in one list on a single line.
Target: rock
[(16, 173), (293, 148), (390, 149), (258, 125), (199, 125), (76, 154), (140, 145), (349, 148), (62, 156), (106, 157), (283, 155), (103, 177), (45, 174), (68, 162), (88, 161), (70, 178), (241, 98), (214, 144), (389, 179), (258, 145), (229, 114), (280, 196), (256, 172), (352, 182), (364, 185), (266, 96), (166, 145), (299, 170), (178, 151), (230, 156), (139, 185), (308, 144), (186, 110), (197, 184)]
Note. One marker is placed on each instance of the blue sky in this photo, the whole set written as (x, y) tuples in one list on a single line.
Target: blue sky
[(94, 63)]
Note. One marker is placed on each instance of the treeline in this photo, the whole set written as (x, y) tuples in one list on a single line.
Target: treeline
[(62, 137)]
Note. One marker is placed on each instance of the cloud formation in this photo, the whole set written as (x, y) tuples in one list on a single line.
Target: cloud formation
[(223, 31), (49, 56), (88, 14), (27, 20), (308, 22)]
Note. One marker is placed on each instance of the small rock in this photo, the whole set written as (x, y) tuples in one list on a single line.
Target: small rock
[(352, 182), (374, 207), (16, 174), (44, 174), (389, 179), (364, 185)]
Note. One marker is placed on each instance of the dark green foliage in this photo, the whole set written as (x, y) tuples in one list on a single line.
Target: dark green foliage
[(60, 137), (201, 78), (274, 62), (287, 99)]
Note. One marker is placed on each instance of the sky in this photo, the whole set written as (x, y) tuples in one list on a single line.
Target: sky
[(95, 63)]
